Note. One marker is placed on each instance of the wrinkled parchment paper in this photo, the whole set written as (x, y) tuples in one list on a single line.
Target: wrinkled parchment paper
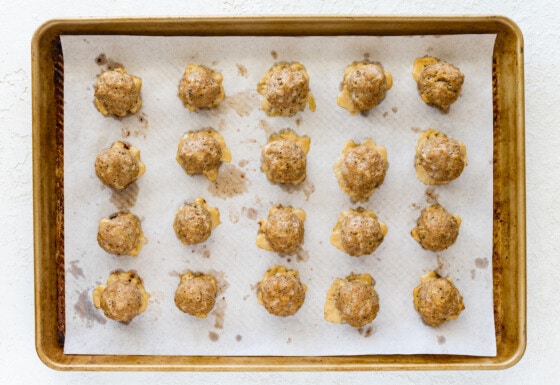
[(239, 325)]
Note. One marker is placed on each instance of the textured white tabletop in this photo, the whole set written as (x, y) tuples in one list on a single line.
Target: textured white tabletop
[(538, 21)]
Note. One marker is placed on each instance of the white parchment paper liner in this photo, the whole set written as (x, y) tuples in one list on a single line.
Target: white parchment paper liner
[(239, 326)]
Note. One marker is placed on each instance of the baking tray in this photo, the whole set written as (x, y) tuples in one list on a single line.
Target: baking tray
[(509, 274)]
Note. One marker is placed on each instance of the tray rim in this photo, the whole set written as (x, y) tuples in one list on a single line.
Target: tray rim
[(52, 354)]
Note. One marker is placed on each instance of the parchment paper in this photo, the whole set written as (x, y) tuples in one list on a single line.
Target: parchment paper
[(238, 324)]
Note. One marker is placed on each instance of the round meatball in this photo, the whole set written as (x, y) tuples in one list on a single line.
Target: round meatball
[(202, 152), (361, 169), (361, 234), (284, 230), (193, 223), (120, 234), (436, 229), (285, 88), (281, 292), (357, 303), (441, 158), (200, 87), (117, 93), (352, 300), (123, 298), (196, 294), (284, 162), (437, 300), (440, 84), (119, 166), (364, 86)]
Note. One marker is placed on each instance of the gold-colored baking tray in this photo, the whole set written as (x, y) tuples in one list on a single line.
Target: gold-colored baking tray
[(509, 274)]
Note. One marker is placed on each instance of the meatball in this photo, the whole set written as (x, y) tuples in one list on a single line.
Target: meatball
[(439, 82), (117, 93), (352, 300), (436, 229), (364, 86), (281, 292), (196, 294), (202, 152), (195, 221), (123, 298), (361, 168), (439, 159), (282, 231), (284, 157), (437, 299), (200, 87), (358, 232), (285, 88), (121, 234), (119, 166)]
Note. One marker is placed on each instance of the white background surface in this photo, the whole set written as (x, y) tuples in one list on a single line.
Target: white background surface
[(538, 21)]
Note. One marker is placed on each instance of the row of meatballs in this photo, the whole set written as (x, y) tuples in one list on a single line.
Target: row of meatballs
[(285, 88), (360, 168), (351, 300)]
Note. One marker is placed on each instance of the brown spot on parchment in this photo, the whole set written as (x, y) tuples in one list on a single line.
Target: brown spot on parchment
[(219, 313), (221, 282), (205, 252), (243, 102), (306, 187), (394, 109), (250, 213), (431, 195), (254, 286), (266, 127), (274, 54), (241, 70), (75, 270), (365, 113), (125, 199), (385, 114), (473, 273), (415, 206), (213, 336), (442, 265), (243, 163), (86, 311), (441, 340), (302, 255), (366, 55), (367, 332), (238, 338), (289, 340), (481, 263), (298, 121), (174, 273), (222, 125), (416, 130), (111, 64), (101, 59), (231, 181), (234, 216), (246, 297), (142, 119), (125, 132)]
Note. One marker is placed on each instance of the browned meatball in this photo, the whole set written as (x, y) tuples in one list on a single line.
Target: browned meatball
[(196, 294), (440, 84), (123, 298), (358, 232), (352, 300), (200, 87), (281, 292), (436, 229), (284, 158), (117, 93), (282, 231), (202, 152), (285, 88), (364, 86), (119, 166), (194, 222), (439, 159), (121, 234), (437, 299), (361, 169)]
